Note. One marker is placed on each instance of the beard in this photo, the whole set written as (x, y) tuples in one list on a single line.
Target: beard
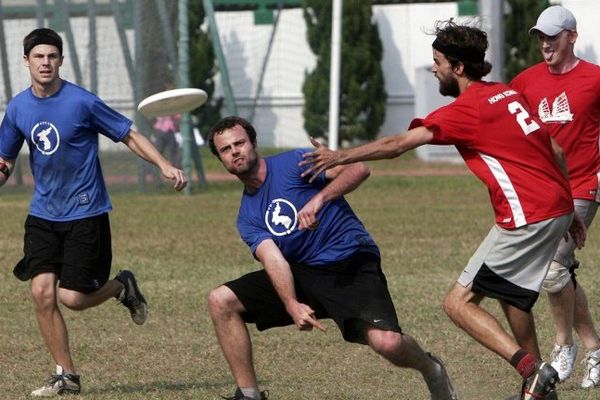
[(244, 169), (449, 87)]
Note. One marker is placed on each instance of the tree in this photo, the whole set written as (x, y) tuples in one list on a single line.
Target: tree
[(362, 92), (521, 49), (202, 67)]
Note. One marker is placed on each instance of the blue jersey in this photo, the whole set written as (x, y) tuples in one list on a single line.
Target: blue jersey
[(62, 134), (272, 213)]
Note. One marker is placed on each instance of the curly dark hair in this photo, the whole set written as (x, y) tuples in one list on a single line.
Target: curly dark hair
[(228, 123), (463, 44)]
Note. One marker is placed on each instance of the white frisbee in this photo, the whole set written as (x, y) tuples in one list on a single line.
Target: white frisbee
[(172, 102)]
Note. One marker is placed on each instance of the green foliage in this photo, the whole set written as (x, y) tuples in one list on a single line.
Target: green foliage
[(362, 90), (202, 67), (521, 48)]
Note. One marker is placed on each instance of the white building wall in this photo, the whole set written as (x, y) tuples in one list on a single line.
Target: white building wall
[(587, 13), (278, 115)]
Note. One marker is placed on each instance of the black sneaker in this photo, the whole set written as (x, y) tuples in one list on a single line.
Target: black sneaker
[(439, 385), (132, 297), (540, 385), (238, 395), (550, 396), (59, 384)]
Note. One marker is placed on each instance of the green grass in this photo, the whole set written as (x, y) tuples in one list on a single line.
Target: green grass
[(181, 247)]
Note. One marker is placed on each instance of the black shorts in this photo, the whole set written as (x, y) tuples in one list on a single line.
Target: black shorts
[(78, 252), (352, 292)]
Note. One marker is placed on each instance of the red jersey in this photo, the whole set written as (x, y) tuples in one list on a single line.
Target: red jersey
[(506, 149), (569, 105)]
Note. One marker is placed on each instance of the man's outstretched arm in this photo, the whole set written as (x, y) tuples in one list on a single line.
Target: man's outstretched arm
[(387, 147)]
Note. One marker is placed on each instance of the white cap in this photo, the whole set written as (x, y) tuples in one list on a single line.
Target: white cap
[(553, 20)]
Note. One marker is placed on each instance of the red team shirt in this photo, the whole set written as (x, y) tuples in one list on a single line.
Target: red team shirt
[(569, 106), (505, 148)]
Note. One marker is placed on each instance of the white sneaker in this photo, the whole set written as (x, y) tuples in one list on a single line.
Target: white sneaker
[(58, 384), (592, 370), (563, 359)]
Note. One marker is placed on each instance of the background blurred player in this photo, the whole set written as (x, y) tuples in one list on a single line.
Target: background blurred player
[(564, 92)]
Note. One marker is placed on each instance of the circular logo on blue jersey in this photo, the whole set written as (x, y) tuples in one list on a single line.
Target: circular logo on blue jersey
[(45, 137), (281, 217)]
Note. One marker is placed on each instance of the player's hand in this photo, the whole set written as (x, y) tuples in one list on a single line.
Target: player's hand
[(308, 213), (4, 171), (176, 176), (319, 160), (578, 231), (304, 317)]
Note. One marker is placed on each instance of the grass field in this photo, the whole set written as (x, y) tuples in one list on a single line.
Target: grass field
[(181, 247)]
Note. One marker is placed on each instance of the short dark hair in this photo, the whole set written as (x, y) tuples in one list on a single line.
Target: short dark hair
[(228, 123), (42, 36), (464, 44)]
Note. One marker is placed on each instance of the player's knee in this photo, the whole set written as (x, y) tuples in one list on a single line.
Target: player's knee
[(43, 296), (221, 300), (557, 278), (385, 342), (72, 300), (451, 304)]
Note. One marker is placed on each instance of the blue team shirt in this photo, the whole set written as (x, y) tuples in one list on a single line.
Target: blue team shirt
[(272, 213), (62, 134)]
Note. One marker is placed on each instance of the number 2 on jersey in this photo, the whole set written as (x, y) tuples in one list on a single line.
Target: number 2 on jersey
[(522, 116)]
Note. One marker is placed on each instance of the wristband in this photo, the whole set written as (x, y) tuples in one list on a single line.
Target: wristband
[(4, 169)]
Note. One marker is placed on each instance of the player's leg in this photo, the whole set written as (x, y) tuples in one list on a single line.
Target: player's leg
[(584, 326), (583, 323), (226, 313), (402, 350), (522, 325), (84, 279), (509, 265), (54, 331), (42, 264), (462, 306), (50, 320), (354, 293), (567, 300), (248, 299), (78, 301)]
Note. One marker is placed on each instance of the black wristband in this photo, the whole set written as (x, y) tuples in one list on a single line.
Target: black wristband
[(4, 169)]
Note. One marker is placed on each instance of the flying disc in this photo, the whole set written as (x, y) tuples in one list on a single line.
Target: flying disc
[(173, 101)]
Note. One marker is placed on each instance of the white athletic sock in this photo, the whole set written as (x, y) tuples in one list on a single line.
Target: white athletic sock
[(252, 393)]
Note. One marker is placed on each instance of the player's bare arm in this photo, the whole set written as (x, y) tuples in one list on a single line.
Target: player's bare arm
[(141, 146), (385, 148), (281, 276), (6, 168), (559, 156), (578, 231), (343, 179)]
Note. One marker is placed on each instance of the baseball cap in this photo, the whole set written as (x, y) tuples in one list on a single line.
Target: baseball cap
[(554, 20)]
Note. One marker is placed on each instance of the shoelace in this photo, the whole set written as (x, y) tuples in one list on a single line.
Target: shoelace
[(595, 360), (561, 354)]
